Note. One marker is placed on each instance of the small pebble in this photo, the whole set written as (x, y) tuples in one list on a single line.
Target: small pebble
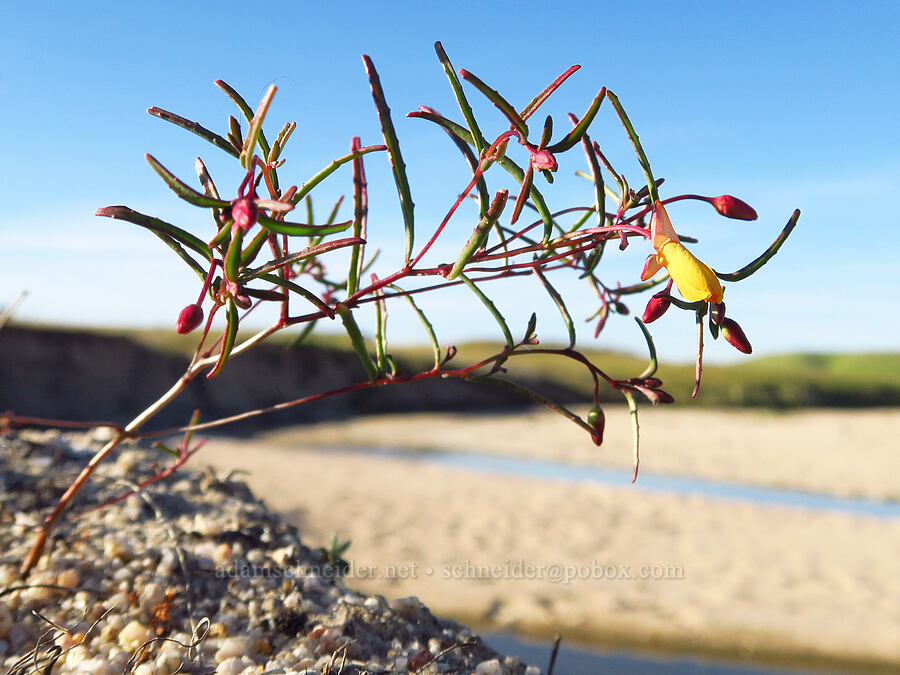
[(134, 635), (491, 667)]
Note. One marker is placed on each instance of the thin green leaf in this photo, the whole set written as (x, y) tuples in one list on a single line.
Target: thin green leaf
[(497, 99), (156, 225), (360, 211), (534, 396), (479, 234), (635, 431), (766, 256), (246, 110), (638, 148), (309, 252), (524, 190), (320, 304), (396, 159), (471, 160), (461, 100), (300, 229), (307, 187), (305, 333), (248, 255), (536, 102), (560, 305), (547, 132), (253, 133), (228, 337), (492, 308), (452, 127), (183, 190), (650, 370), (381, 331), (432, 336), (233, 255), (358, 342), (578, 131), (280, 141), (181, 253), (194, 128)]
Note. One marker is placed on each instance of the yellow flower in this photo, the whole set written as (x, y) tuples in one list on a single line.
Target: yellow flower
[(695, 280)]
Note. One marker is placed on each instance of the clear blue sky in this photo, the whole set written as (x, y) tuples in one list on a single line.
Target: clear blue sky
[(786, 105)]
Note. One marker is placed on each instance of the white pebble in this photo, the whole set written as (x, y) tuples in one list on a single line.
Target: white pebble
[(232, 647), (234, 666), (151, 596), (146, 668), (134, 635), (68, 578), (95, 666), (532, 670), (491, 667)]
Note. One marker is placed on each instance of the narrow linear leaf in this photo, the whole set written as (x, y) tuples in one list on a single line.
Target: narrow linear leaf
[(183, 190), (578, 131), (538, 100), (650, 370), (432, 336), (393, 149), (156, 225), (360, 212), (381, 331), (184, 255), (479, 234), (300, 229), (307, 187), (452, 127), (246, 110), (635, 431), (194, 128), (766, 256), (358, 342), (534, 396), (308, 252), (492, 308), (248, 255), (636, 143), (560, 305), (320, 304), (461, 100), (497, 99), (209, 186), (524, 191), (471, 160), (253, 133), (228, 337)]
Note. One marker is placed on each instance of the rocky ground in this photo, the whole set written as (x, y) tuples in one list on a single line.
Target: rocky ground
[(193, 574)]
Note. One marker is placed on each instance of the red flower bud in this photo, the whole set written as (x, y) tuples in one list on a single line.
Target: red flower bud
[(597, 419), (188, 319), (732, 207), (657, 306), (244, 212), (717, 313), (543, 160), (732, 332)]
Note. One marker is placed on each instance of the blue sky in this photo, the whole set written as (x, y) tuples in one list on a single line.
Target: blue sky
[(786, 105)]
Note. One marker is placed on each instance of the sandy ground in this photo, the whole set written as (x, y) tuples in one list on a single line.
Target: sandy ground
[(612, 565)]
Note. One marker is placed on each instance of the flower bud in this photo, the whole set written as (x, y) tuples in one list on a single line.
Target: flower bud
[(732, 332), (717, 313), (732, 207), (657, 306), (188, 319), (597, 419), (244, 212), (543, 160)]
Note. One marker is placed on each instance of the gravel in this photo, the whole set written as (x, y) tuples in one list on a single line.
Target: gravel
[(193, 574)]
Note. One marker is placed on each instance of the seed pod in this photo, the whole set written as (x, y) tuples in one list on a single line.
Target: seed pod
[(732, 332)]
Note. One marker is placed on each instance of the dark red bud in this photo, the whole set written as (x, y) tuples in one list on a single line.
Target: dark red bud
[(419, 660), (653, 382), (244, 212), (597, 419), (543, 160), (717, 313), (657, 306), (621, 308), (732, 332), (188, 319), (732, 207)]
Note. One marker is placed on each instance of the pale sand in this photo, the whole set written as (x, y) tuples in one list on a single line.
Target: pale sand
[(757, 580)]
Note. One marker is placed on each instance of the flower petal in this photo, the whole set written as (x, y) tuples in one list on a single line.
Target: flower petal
[(695, 280)]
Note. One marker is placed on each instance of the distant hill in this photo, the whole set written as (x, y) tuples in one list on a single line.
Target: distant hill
[(112, 375)]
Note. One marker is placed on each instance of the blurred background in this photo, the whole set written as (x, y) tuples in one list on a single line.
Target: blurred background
[(784, 106)]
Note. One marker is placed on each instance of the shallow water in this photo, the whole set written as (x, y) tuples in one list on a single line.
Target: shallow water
[(583, 661), (652, 482)]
